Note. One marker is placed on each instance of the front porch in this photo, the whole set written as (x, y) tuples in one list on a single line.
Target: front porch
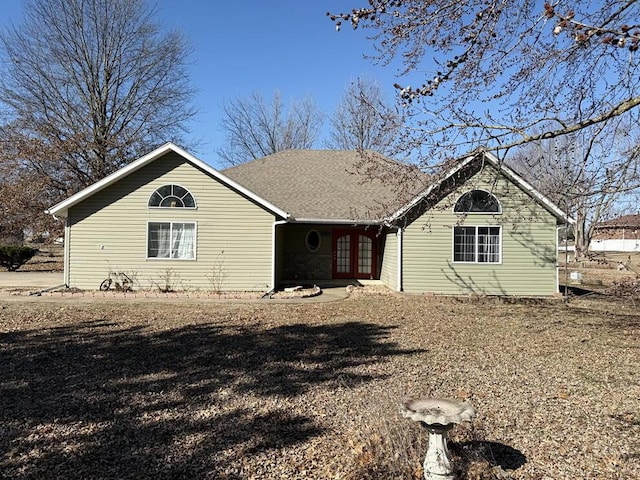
[(328, 255), (334, 283)]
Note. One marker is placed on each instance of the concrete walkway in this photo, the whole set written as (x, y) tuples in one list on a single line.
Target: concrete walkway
[(36, 280)]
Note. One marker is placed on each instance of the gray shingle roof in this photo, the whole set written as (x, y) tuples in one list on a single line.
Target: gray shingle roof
[(331, 184)]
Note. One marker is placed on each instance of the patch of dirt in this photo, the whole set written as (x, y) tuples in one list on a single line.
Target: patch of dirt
[(188, 389), (601, 271)]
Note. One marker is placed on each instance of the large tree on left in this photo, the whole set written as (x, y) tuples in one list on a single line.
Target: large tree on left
[(86, 86)]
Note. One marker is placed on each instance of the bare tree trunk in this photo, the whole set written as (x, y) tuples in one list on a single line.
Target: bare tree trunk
[(580, 249), (89, 86)]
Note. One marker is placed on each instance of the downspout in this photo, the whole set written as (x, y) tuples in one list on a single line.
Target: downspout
[(67, 250), (399, 280), (566, 260), (65, 247), (274, 265)]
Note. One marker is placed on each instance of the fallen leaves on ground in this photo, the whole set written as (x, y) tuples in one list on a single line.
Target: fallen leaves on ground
[(134, 390)]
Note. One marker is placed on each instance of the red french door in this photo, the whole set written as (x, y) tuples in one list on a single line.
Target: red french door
[(354, 254)]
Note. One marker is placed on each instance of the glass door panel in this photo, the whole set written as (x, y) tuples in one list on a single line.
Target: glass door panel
[(365, 255), (354, 254), (343, 255)]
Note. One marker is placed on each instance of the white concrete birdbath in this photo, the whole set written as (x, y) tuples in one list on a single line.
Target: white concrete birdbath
[(438, 416)]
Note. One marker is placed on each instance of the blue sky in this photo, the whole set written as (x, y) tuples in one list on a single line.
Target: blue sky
[(244, 46)]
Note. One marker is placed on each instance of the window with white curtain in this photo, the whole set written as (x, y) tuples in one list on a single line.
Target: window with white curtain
[(476, 244), (171, 240)]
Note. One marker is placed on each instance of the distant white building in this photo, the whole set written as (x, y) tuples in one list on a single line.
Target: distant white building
[(620, 234)]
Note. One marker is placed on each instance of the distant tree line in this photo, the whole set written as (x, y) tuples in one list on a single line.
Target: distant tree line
[(255, 127)]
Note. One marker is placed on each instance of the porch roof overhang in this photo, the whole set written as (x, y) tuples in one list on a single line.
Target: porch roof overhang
[(336, 221)]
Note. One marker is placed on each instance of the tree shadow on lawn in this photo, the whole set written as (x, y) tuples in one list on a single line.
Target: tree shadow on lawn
[(494, 453), (613, 316), (96, 400)]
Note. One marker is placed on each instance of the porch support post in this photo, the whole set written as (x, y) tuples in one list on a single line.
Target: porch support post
[(274, 253)]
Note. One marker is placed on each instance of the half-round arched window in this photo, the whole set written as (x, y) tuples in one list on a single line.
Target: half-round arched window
[(172, 196), (477, 201)]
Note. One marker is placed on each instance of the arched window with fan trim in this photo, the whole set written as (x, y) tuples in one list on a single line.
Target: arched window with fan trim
[(477, 201), (172, 196)]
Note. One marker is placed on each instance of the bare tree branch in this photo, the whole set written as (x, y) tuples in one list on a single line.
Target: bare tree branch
[(99, 72), (255, 129), (588, 174), (363, 120), (498, 73), (86, 86)]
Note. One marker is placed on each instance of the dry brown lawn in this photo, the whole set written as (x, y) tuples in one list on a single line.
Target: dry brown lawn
[(601, 271), (188, 390)]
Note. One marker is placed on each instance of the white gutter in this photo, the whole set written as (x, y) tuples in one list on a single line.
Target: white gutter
[(273, 253), (67, 250), (527, 187), (339, 221), (395, 216), (400, 246)]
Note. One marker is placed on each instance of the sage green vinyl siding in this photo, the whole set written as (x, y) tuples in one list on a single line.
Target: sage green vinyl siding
[(108, 232), (389, 269), (528, 265)]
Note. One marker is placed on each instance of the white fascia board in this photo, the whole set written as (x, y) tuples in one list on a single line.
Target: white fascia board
[(530, 189), (62, 207), (427, 191), (513, 176), (340, 221)]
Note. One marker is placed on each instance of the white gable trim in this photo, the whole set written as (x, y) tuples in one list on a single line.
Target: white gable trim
[(493, 160), (527, 187), (427, 191), (61, 208)]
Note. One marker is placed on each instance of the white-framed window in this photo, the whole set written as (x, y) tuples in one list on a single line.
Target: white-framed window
[(171, 196), (312, 240), (477, 244), (171, 240), (477, 201)]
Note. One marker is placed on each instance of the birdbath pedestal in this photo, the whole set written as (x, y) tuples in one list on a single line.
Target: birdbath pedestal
[(438, 415)]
